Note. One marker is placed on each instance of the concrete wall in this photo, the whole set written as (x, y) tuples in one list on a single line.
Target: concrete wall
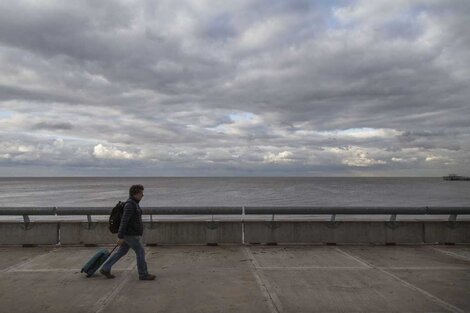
[(155, 233), (356, 232), (447, 232), (73, 233), (193, 233), (34, 233), (264, 232)]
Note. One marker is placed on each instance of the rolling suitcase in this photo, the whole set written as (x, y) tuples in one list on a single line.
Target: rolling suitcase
[(96, 261)]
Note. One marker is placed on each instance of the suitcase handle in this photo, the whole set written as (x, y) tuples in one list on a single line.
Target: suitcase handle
[(113, 249), (110, 253)]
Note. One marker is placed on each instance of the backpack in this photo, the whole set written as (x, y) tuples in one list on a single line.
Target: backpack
[(115, 217)]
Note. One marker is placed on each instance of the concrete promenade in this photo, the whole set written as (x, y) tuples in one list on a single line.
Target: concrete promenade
[(241, 278)]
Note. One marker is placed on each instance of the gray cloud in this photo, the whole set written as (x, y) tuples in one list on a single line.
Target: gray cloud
[(237, 88), (53, 126)]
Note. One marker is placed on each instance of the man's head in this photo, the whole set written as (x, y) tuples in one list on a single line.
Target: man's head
[(136, 191)]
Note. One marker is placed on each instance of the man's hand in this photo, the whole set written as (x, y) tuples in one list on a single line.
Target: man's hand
[(120, 242)]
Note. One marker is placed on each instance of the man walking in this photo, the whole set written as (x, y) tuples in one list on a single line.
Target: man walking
[(130, 235)]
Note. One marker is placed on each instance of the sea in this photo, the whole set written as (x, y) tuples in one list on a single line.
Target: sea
[(234, 191)]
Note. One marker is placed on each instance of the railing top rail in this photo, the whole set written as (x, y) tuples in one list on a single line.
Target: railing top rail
[(231, 210), (216, 210), (27, 210), (357, 210)]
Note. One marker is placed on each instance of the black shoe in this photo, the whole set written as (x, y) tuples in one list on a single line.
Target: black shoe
[(148, 277), (107, 274)]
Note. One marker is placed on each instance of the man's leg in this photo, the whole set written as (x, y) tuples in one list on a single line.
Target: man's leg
[(135, 242), (122, 251)]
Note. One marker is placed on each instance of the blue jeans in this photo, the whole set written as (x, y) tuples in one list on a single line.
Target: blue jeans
[(134, 242)]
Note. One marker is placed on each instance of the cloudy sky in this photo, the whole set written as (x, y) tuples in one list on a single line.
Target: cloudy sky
[(243, 88)]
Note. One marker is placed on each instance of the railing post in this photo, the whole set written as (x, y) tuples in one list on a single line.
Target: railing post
[(453, 218), (26, 221), (26, 218), (89, 220), (392, 223), (333, 223), (452, 222), (151, 221), (243, 225)]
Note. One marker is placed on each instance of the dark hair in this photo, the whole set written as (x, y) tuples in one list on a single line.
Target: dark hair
[(135, 189)]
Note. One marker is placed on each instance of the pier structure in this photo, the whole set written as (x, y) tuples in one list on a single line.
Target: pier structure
[(242, 225), (456, 177), (241, 259)]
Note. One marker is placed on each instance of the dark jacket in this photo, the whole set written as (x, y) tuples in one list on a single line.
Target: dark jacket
[(131, 221)]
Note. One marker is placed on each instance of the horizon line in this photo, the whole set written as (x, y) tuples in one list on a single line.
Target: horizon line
[(224, 176)]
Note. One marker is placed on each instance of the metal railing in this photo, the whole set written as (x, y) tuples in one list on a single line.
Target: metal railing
[(241, 211), (238, 210)]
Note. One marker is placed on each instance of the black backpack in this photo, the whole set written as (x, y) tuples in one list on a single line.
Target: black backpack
[(115, 217)]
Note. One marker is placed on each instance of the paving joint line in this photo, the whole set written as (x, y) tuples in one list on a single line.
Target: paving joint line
[(14, 267), (424, 268), (104, 301), (449, 253), (274, 304), (365, 264), (59, 270), (311, 268)]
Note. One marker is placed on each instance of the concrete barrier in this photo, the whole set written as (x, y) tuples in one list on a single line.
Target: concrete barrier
[(73, 233), (232, 232), (168, 232), (447, 232), (377, 232), (33, 233), (404, 232), (270, 232), (175, 232)]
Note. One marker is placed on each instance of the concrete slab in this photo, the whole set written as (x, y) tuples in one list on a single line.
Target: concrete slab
[(70, 259), (195, 257), (404, 256), (346, 291), (51, 292), (213, 290), (13, 256), (302, 256), (452, 287), (459, 252), (241, 279), (194, 279)]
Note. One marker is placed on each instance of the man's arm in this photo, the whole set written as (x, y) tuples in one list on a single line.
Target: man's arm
[(126, 216)]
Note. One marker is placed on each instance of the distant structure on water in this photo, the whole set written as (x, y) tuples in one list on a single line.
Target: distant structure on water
[(455, 177)]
